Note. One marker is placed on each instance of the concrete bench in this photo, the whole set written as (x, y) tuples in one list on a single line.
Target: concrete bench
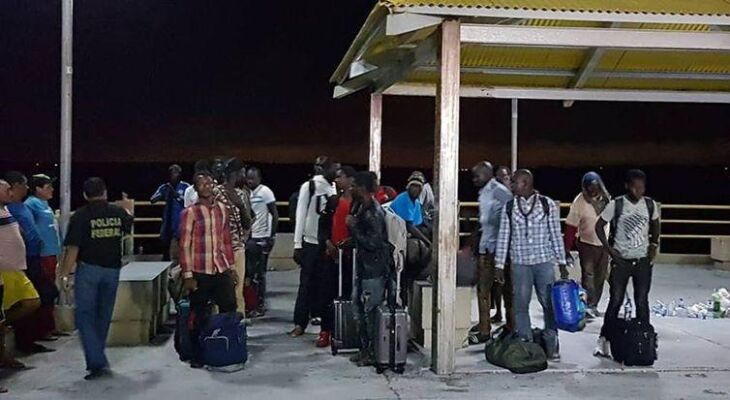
[(420, 306), (280, 258), (720, 251), (142, 304)]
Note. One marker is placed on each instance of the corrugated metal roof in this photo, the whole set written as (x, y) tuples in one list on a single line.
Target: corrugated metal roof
[(686, 7)]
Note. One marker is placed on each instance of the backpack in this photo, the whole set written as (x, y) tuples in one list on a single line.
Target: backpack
[(294, 199), (397, 237), (633, 342), (619, 209), (505, 349)]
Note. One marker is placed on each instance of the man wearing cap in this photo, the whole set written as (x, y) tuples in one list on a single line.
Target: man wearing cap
[(238, 204), (45, 223), (172, 193), (580, 225)]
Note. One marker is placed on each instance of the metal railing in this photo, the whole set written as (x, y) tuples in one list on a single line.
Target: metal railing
[(468, 217)]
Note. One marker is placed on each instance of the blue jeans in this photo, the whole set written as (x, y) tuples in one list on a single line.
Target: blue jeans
[(541, 277), (96, 292)]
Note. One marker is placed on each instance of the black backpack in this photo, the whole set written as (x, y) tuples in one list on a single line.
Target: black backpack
[(294, 199), (619, 209), (634, 343)]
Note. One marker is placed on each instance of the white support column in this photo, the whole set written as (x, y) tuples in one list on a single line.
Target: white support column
[(515, 116), (446, 230), (66, 106), (376, 132)]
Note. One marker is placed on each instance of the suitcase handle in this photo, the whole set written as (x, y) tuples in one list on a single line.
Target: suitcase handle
[(339, 268)]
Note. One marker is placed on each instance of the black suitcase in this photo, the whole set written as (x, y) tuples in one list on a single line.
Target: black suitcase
[(345, 335), (633, 342)]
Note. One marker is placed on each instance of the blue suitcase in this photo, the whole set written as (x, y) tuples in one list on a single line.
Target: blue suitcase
[(223, 340)]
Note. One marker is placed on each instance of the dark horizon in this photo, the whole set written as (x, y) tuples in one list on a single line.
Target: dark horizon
[(163, 82)]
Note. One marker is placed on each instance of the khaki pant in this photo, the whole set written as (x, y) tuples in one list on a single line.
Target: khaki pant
[(485, 283), (240, 268)]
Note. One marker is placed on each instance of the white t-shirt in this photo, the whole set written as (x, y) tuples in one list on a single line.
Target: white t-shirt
[(632, 230), (583, 216), (261, 197)]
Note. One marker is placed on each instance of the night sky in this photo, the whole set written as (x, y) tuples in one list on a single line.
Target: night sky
[(177, 81)]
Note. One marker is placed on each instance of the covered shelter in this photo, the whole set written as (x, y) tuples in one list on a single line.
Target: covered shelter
[(561, 50)]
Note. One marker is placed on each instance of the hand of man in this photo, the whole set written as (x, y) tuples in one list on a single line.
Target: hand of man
[(614, 253), (499, 276), (190, 285), (331, 249), (126, 203), (298, 256), (653, 250), (564, 274)]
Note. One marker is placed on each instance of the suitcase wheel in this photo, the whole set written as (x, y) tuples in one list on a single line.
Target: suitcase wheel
[(379, 369), (334, 349), (399, 369)]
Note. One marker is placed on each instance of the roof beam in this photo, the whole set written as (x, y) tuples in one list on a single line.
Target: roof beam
[(565, 73), (659, 96), (593, 37), (589, 65), (485, 12)]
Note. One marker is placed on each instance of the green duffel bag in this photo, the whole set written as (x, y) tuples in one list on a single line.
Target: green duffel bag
[(505, 349)]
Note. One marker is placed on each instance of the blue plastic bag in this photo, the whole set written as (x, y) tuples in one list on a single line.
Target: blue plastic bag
[(568, 306)]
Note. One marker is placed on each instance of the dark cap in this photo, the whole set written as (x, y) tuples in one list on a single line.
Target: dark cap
[(233, 165)]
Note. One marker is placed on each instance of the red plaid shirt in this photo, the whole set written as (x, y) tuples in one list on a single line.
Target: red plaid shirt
[(205, 240)]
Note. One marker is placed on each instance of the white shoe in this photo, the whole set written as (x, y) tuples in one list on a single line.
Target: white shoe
[(603, 348)]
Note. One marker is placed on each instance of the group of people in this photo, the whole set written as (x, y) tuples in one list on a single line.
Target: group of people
[(220, 229), (520, 243)]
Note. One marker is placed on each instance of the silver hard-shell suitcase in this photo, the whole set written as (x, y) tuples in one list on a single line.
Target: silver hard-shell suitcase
[(391, 345), (345, 335)]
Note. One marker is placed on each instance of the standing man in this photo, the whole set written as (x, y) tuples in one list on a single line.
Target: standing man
[(207, 257), (341, 237), (499, 292), (529, 234), (238, 207), (45, 223), (173, 193), (374, 262), (493, 195), (263, 234), (581, 224), (94, 251), (191, 196), (633, 243), (32, 328), (309, 251)]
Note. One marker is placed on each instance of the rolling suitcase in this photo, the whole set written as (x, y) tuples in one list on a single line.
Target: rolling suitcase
[(391, 345), (223, 341), (345, 335)]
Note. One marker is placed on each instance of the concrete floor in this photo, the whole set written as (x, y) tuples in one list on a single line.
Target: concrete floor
[(694, 363)]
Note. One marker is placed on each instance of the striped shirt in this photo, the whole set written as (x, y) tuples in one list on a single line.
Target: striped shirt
[(205, 240), (12, 247), (532, 236)]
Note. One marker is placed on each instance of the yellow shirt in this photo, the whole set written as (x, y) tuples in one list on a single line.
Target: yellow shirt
[(583, 216)]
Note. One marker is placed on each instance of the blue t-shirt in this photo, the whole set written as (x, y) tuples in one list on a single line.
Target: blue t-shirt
[(32, 239), (45, 224), (408, 209)]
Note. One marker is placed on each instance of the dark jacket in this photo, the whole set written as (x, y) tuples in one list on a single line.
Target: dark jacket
[(370, 237)]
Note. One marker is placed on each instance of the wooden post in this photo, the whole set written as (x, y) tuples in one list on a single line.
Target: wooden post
[(376, 132), (446, 230), (514, 135), (66, 105)]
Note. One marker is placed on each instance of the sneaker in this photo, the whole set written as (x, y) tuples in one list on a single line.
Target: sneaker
[(603, 348), (297, 331), (196, 365), (316, 321), (324, 339), (555, 357), (474, 329), (366, 360), (478, 337), (496, 319)]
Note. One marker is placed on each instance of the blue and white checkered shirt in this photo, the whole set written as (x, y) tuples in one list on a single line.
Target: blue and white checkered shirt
[(532, 237)]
